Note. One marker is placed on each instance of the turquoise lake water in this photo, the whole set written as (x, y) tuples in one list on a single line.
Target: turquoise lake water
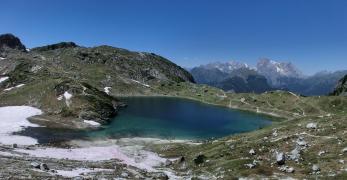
[(163, 117), (175, 118)]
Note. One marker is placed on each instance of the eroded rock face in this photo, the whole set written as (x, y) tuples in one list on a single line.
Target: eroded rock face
[(11, 41)]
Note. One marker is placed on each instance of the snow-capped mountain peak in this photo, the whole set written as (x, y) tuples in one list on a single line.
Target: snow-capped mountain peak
[(226, 67), (274, 70)]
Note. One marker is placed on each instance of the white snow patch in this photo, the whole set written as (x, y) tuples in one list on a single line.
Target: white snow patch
[(143, 84), (14, 119), (18, 86), (1, 58), (130, 155), (67, 97), (2, 79), (93, 123), (8, 154), (28, 49), (79, 172), (107, 90)]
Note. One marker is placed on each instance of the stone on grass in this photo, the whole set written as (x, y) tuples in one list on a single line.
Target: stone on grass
[(199, 159), (286, 169), (280, 158), (252, 152), (252, 165), (344, 150), (311, 126), (295, 154), (181, 159), (315, 168), (301, 142)]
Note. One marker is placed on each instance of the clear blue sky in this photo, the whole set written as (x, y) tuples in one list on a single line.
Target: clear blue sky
[(310, 33)]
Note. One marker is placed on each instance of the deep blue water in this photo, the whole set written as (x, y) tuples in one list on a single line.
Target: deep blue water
[(176, 118)]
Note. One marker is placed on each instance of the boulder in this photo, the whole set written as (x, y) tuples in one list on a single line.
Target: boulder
[(301, 142), (160, 176), (315, 168), (286, 169), (181, 160), (295, 154), (280, 158), (251, 165), (35, 164), (124, 174), (252, 152), (44, 167), (199, 159), (311, 126)]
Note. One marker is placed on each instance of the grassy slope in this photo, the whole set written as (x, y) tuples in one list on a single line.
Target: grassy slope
[(227, 157)]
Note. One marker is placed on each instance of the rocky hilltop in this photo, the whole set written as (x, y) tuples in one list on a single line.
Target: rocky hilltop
[(12, 42)]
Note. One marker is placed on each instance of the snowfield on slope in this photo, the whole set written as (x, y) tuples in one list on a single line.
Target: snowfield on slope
[(14, 119)]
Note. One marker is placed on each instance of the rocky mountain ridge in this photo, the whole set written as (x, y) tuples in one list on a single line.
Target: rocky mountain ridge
[(71, 83)]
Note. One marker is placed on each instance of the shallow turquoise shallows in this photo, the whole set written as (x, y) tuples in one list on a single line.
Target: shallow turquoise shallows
[(175, 118)]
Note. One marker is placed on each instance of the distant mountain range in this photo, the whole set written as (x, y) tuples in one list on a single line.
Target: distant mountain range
[(267, 75)]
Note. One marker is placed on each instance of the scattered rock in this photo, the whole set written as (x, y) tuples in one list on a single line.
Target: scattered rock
[(181, 159), (14, 145), (251, 165), (311, 126), (295, 154), (124, 174), (344, 150), (320, 153), (315, 168), (53, 171), (160, 176), (168, 163), (44, 167), (286, 169), (280, 158), (301, 142), (341, 161), (35, 164), (252, 152), (199, 159)]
